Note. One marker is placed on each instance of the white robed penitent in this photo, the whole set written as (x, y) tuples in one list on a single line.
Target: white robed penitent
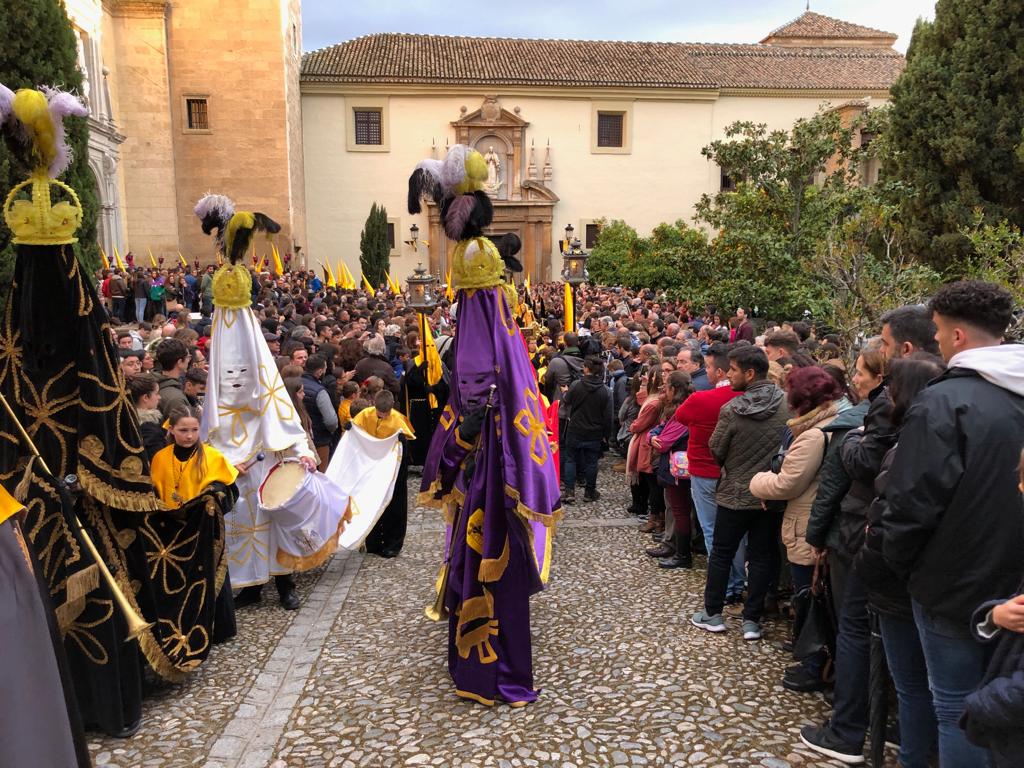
[(248, 412)]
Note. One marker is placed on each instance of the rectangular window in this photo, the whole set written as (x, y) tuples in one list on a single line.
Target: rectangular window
[(198, 114), (728, 184), (391, 236), (368, 126), (609, 129), (592, 231)]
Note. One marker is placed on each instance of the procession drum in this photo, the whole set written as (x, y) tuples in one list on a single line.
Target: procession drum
[(306, 512)]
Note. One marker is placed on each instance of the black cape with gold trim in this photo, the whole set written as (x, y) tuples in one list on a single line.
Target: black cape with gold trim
[(58, 370)]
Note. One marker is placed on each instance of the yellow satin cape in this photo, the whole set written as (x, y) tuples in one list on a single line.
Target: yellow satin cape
[(368, 421), (170, 475)]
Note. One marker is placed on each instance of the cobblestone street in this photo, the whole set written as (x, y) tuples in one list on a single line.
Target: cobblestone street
[(357, 677)]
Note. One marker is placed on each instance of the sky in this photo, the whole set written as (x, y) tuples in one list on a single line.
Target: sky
[(326, 22)]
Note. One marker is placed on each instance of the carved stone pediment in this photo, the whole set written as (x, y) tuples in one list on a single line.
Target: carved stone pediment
[(490, 115)]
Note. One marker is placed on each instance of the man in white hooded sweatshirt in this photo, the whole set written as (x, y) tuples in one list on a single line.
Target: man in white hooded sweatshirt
[(955, 523)]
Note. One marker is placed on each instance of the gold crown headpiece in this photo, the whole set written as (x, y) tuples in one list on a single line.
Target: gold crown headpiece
[(232, 287), (39, 117)]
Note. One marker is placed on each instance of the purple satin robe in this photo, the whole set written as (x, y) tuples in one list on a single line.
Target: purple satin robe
[(501, 548)]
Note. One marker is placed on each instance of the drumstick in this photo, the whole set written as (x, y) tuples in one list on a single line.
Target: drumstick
[(258, 457)]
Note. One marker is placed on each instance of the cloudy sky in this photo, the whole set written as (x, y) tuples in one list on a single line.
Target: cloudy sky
[(327, 22)]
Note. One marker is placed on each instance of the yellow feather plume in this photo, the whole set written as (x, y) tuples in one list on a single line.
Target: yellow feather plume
[(32, 109)]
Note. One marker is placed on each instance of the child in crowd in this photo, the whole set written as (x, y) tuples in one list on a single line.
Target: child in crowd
[(349, 393), (182, 470), (996, 710), (358, 405), (371, 387)]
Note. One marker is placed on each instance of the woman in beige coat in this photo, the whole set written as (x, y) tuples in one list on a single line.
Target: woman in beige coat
[(812, 395)]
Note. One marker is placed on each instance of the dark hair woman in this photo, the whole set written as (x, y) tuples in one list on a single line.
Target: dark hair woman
[(639, 470), (669, 444), (887, 592)]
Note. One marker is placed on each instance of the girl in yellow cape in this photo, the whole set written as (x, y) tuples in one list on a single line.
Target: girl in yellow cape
[(183, 469)]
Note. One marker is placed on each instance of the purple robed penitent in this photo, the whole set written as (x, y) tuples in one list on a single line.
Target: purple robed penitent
[(501, 549)]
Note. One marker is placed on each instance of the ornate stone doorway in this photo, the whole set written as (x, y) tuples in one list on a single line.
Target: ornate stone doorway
[(517, 183)]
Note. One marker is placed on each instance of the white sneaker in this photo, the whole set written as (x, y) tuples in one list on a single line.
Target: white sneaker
[(711, 623), (751, 630)]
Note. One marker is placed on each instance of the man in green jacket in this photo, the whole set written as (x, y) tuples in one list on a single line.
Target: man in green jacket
[(748, 434)]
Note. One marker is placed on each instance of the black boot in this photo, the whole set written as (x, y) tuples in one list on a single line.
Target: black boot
[(249, 595), (682, 558), (286, 591)]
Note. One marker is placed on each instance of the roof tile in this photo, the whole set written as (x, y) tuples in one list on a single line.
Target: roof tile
[(432, 59), (813, 25)]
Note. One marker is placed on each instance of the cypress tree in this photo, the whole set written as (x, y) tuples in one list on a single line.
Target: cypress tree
[(374, 251), (39, 48), (957, 122)]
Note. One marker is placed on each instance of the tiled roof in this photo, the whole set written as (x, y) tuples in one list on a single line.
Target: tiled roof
[(815, 26), (431, 59)]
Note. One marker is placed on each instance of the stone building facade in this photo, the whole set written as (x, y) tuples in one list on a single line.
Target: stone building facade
[(574, 131), (186, 97)]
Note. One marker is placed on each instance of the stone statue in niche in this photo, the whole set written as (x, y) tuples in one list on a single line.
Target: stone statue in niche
[(493, 183)]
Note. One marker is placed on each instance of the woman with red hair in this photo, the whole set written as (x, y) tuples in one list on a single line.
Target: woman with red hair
[(812, 394)]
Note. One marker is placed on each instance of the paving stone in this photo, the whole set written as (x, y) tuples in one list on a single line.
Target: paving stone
[(358, 677)]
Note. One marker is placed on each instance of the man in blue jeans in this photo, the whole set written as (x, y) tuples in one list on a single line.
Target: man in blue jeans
[(699, 413), (954, 526), (586, 428)]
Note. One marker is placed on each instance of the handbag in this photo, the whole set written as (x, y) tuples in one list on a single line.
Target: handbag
[(815, 625)]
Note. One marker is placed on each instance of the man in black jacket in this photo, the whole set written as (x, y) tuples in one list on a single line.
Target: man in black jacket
[(955, 523), (587, 404)]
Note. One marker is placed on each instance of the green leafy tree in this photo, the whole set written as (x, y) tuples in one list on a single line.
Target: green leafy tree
[(39, 48), (675, 258), (865, 265), (769, 226), (374, 251), (613, 251), (957, 125), (998, 256)]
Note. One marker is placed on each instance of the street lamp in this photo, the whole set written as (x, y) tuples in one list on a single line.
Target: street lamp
[(574, 268), (422, 295)]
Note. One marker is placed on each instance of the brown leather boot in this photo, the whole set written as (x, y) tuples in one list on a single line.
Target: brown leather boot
[(653, 525)]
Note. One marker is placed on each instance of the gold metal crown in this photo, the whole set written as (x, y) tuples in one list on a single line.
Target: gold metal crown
[(232, 287), (476, 263), (38, 221)]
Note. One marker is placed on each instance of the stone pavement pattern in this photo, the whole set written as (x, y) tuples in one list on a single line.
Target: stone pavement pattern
[(358, 676)]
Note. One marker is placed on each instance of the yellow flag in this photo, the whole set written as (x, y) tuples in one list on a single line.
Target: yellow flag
[(342, 277), (449, 291), (428, 352), (261, 264), (118, 259), (103, 256), (278, 266), (369, 288), (568, 312), (526, 283), (220, 259), (393, 284), (331, 282), (152, 261), (183, 262)]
